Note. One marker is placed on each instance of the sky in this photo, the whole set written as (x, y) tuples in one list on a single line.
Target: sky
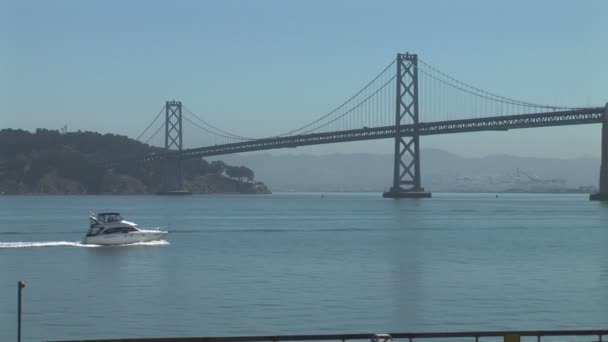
[(257, 68)]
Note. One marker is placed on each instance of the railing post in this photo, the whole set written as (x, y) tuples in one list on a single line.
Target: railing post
[(511, 338), (20, 286)]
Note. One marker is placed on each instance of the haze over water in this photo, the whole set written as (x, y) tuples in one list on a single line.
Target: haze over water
[(299, 263)]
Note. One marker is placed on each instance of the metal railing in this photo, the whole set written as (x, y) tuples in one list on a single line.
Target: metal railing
[(507, 336)]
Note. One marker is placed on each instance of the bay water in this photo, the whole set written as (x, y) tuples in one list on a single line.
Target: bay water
[(295, 263)]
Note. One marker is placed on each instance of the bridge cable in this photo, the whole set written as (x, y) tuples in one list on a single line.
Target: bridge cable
[(355, 107), (235, 136), (342, 105), (151, 123), (486, 96), (155, 133), (505, 99), (209, 131)]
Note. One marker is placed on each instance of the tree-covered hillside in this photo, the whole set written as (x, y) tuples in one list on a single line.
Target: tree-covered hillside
[(50, 162)]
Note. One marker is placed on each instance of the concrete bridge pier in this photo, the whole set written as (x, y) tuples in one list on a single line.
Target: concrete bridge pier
[(602, 195)]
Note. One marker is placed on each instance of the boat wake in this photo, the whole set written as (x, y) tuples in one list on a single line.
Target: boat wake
[(74, 244)]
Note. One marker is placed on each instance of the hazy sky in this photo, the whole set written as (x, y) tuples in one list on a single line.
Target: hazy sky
[(261, 67)]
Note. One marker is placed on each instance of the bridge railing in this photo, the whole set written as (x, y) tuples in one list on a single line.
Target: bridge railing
[(470, 336)]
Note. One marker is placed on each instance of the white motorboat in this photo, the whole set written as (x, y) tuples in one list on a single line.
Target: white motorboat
[(110, 228)]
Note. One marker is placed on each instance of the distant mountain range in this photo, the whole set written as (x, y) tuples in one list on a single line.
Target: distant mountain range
[(441, 171)]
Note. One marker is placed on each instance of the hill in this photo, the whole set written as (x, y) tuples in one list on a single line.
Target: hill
[(50, 162)]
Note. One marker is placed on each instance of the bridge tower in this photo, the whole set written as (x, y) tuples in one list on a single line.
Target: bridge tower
[(406, 173), (602, 195), (173, 183)]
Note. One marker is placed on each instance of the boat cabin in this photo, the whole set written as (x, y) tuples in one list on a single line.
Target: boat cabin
[(100, 221)]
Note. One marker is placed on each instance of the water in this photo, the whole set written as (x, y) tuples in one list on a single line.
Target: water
[(298, 263)]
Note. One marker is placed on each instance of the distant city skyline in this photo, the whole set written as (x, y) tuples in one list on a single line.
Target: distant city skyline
[(261, 68)]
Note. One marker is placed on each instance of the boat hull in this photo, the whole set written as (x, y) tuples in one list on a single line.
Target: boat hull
[(125, 238)]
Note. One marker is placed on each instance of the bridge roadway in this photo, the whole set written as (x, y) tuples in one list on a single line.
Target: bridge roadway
[(496, 123)]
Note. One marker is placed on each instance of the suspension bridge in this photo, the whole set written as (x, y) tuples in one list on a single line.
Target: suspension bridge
[(408, 99)]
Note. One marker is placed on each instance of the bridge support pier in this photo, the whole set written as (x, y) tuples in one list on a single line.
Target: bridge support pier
[(407, 150), (602, 195), (173, 183)]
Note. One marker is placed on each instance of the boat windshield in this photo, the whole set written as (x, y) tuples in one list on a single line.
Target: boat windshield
[(94, 221), (109, 218)]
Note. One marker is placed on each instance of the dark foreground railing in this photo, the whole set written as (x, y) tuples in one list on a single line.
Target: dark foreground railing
[(474, 336)]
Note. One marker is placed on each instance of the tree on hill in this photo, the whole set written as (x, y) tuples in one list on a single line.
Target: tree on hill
[(217, 167), (240, 173)]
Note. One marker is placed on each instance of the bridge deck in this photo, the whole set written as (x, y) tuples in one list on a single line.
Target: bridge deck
[(496, 123)]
